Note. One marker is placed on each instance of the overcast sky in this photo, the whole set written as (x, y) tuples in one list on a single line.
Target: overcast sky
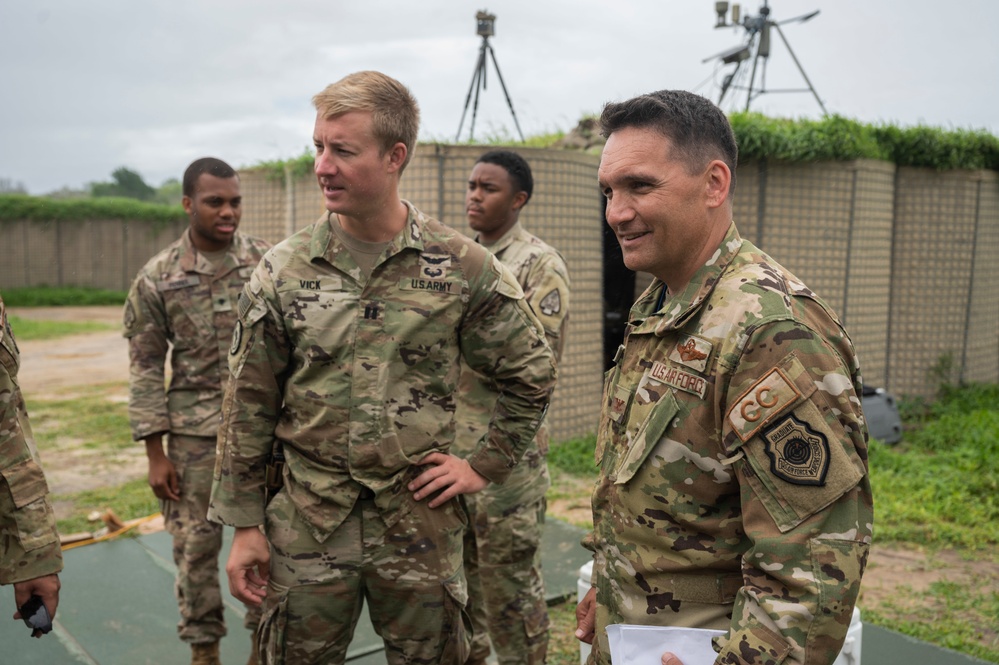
[(153, 84)]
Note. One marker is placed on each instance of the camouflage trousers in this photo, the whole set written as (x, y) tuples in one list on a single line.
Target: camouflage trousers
[(410, 575), (505, 587), (197, 543)]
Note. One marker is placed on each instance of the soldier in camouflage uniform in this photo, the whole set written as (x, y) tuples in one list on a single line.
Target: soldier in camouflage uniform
[(30, 555), (184, 301), (346, 357), (503, 543), (733, 490)]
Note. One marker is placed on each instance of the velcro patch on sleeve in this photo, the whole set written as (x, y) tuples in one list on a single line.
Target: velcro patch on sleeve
[(798, 454), (765, 400)]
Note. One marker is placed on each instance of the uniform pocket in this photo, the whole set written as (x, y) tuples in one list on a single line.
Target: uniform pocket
[(457, 624), (272, 630), (660, 414)]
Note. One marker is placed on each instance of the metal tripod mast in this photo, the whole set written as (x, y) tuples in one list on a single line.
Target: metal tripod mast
[(759, 29), (485, 22)]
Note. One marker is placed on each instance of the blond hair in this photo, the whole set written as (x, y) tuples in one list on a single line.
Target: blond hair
[(394, 112)]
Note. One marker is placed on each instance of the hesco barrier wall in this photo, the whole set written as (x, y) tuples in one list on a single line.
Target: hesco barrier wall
[(909, 258), (564, 211), (104, 254)]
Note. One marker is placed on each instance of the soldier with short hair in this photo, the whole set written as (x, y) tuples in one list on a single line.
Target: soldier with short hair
[(503, 542), (183, 303), (733, 490), (30, 553), (346, 361)]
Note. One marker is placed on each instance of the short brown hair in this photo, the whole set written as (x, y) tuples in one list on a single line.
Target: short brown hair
[(696, 128), (394, 111)]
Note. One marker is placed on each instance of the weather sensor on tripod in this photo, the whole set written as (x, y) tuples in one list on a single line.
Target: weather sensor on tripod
[(757, 48), (485, 27)]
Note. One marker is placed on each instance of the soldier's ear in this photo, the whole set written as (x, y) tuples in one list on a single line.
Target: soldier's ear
[(397, 157), (519, 200), (717, 179), (188, 205)]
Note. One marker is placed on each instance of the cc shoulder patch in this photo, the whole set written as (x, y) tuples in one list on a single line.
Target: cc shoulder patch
[(765, 400), (798, 454)]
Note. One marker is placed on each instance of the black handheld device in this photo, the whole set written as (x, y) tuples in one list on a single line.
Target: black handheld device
[(35, 616)]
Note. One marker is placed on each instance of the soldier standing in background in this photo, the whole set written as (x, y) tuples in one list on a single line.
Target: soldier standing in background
[(184, 301), (733, 490), (30, 554), (347, 359), (503, 542)]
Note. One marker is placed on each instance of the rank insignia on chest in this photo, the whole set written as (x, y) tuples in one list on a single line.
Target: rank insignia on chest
[(433, 266), (692, 352), (798, 454), (551, 304)]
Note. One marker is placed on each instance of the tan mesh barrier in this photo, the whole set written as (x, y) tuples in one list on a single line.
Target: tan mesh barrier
[(909, 260)]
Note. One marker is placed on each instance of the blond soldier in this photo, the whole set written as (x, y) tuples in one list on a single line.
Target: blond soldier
[(30, 556), (503, 541), (346, 359), (184, 301), (733, 490)]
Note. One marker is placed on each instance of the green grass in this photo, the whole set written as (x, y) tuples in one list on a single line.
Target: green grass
[(59, 296), (129, 501), (34, 329), (937, 489), (92, 419), (954, 616)]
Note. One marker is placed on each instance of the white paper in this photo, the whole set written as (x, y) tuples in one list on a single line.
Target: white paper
[(645, 645)]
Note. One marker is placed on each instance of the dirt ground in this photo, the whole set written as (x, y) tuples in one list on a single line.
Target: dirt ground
[(53, 369), (50, 368)]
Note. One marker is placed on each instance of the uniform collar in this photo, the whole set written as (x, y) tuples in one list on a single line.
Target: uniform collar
[(327, 246), (191, 259), (507, 239), (680, 306)]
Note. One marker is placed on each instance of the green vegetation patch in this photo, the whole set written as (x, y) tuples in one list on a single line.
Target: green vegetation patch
[(940, 486), (37, 208), (91, 419), (129, 501), (60, 296), (33, 329), (575, 456), (962, 617)]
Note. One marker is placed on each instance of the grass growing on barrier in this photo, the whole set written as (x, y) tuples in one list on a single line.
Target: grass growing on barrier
[(43, 209), (61, 296), (936, 491)]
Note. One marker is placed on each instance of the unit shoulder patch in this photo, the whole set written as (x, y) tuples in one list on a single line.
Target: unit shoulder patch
[(798, 454), (130, 317), (551, 304), (237, 337)]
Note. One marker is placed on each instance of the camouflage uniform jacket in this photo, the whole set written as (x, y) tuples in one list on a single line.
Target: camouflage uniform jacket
[(29, 543), (181, 302), (733, 455), (542, 273), (356, 378)]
